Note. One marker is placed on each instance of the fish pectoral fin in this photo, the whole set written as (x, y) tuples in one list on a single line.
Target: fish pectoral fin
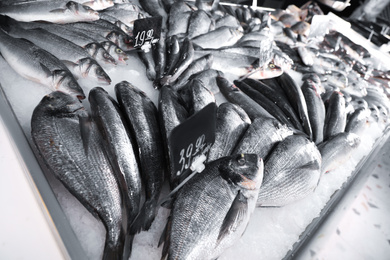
[(58, 11), (234, 216), (46, 70), (85, 130)]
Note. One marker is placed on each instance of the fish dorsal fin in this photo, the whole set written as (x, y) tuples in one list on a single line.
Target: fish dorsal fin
[(46, 70), (234, 216), (85, 131)]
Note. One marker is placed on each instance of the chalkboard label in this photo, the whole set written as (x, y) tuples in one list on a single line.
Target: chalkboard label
[(147, 32)]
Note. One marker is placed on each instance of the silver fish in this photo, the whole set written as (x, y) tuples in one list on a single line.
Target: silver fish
[(291, 172), (231, 124), (50, 11), (199, 23), (83, 169), (358, 121), (36, 64), (212, 210), (336, 118), (220, 37), (337, 150)]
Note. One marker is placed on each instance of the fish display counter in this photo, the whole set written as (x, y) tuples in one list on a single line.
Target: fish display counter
[(296, 106)]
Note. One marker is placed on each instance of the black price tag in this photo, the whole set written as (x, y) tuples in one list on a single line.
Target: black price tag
[(147, 32), (193, 138)]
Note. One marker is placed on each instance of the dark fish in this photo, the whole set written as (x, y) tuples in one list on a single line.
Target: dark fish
[(171, 113), (212, 210), (155, 8), (276, 95), (173, 53), (301, 28), (261, 137), (315, 109), (200, 64), (236, 96), (148, 61), (297, 100), (160, 58), (185, 59), (196, 96), (336, 118), (231, 124), (291, 172), (337, 150), (84, 170), (263, 101), (36, 64), (141, 116), (208, 78)]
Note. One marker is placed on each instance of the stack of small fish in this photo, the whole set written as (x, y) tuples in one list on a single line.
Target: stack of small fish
[(275, 137)]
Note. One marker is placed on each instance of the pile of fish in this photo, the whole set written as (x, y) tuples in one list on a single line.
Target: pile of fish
[(293, 109)]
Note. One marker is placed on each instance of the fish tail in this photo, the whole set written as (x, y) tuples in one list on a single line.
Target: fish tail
[(112, 252), (145, 218), (128, 246)]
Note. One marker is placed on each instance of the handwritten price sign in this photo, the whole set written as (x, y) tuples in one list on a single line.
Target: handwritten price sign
[(147, 31), (192, 138)]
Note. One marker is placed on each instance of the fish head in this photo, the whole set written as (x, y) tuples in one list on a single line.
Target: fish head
[(243, 170), (117, 53), (90, 68), (353, 140), (121, 40), (61, 104), (99, 53), (65, 82), (86, 12)]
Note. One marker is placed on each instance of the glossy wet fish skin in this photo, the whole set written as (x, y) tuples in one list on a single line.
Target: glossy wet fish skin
[(220, 37), (141, 117), (293, 178), (160, 59), (178, 24), (262, 136), (336, 118), (263, 101), (297, 100), (337, 150), (155, 8), (196, 96), (84, 171), (231, 124), (50, 11), (316, 109), (38, 65), (116, 52), (119, 146), (236, 96), (199, 231), (199, 23), (148, 61), (173, 53), (278, 97), (208, 78), (200, 64)]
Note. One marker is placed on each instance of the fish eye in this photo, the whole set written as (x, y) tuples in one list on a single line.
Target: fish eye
[(119, 51), (271, 65), (241, 160)]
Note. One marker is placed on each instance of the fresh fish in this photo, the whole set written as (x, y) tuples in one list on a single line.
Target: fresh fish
[(220, 37), (291, 172), (84, 170), (97, 5), (173, 54), (301, 27), (262, 136), (114, 20), (171, 113), (121, 152), (263, 101), (208, 78), (231, 124), (336, 118), (297, 100), (337, 150), (268, 71), (277, 96), (315, 108), (230, 21), (358, 121), (200, 64), (288, 19), (160, 59), (305, 56), (236, 96), (36, 64), (141, 116), (117, 53), (290, 34), (50, 11), (211, 211), (185, 59), (199, 23), (208, 6), (155, 8), (196, 96), (148, 61), (76, 58), (126, 16), (178, 23)]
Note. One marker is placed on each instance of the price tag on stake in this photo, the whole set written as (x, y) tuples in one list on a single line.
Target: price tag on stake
[(147, 32), (192, 138)]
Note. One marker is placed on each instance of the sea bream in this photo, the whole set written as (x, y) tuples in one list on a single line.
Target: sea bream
[(36, 64), (82, 167), (220, 37), (50, 11), (141, 116), (211, 211)]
